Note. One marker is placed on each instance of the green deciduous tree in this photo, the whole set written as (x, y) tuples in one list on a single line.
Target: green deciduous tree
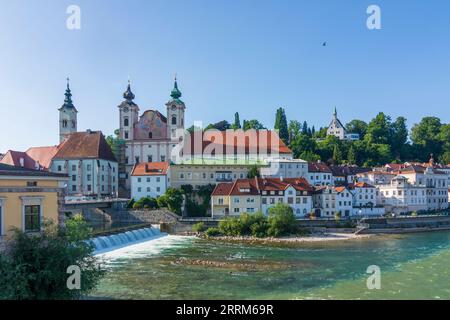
[(281, 125), (34, 267)]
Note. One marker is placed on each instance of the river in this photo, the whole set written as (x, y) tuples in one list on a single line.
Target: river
[(414, 266)]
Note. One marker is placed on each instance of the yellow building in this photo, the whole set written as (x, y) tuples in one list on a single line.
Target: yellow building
[(28, 197)]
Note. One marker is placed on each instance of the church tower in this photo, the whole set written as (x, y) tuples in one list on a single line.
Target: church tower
[(67, 116), (175, 115), (129, 114)]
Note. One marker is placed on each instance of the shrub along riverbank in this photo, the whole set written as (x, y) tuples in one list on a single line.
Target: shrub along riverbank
[(280, 222)]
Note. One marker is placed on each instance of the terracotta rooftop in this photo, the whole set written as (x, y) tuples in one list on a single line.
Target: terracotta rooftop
[(361, 185), (214, 142), (150, 169), (318, 167), (85, 145), (257, 185)]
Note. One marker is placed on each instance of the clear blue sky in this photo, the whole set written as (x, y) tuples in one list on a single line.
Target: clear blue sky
[(250, 56)]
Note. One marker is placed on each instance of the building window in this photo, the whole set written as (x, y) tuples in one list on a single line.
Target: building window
[(88, 167), (32, 218), (59, 168), (88, 177), (126, 134), (150, 135), (136, 159), (158, 179), (174, 120), (64, 123), (74, 178), (158, 189), (149, 159), (125, 122), (139, 189), (74, 188), (163, 158), (74, 168), (31, 183), (89, 188)]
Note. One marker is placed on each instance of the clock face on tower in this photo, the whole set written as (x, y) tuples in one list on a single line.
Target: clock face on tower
[(125, 109), (174, 107)]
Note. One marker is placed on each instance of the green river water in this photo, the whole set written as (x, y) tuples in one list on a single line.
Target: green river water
[(414, 266)]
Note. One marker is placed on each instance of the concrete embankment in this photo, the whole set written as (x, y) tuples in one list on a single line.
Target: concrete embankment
[(405, 224)]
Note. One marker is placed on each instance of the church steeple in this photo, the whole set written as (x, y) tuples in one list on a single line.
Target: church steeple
[(335, 112), (68, 103), (176, 93), (128, 95), (67, 116)]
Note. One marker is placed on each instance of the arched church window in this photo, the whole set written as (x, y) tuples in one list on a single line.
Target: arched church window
[(125, 122), (73, 124), (174, 120), (64, 123)]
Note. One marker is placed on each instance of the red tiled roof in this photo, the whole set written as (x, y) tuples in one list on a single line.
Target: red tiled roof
[(214, 142), (256, 185), (85, 145), (150, 169), (318, 167), (361, 185), (43, 155), (222, 189)]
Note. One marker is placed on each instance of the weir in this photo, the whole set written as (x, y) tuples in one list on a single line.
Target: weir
[(108, 243)]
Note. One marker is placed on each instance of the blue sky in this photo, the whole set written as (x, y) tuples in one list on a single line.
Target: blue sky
[(250, 56)]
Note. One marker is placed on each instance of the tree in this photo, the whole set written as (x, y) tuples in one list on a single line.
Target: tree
[(426, 136), (253, 172), (357, 126), (172, 199), (302, 143), (281, 125), (221, 126), (305, 127), (351, 156), (337, 154), (379, 130), (252, 124), (281, 220), (237, 121), (34, 267), (399, 136), (115, 143), (294, 130)]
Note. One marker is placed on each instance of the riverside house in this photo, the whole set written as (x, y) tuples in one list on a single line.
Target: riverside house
[(260, 194), (27, 197)]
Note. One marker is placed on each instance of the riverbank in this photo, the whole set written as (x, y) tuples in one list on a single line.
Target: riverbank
[(313, 238)]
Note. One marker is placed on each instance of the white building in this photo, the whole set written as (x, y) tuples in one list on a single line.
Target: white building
[(150, 179), (329, 200), (319, 174), (337, 129), (260, 194), (284, 168), (365, 198), (88, 160), (400, 196)]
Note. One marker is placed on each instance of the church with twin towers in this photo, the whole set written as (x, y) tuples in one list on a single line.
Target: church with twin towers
[(149, 136)]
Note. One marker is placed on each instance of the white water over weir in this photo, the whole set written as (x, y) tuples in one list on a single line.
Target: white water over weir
[(108, 243)]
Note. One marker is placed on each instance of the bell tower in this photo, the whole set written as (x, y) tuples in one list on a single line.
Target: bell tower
[(129, 114), (175, 114), (67, 116)]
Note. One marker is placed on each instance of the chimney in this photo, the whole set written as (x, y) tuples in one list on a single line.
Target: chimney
[(146, 167), (22, 162)]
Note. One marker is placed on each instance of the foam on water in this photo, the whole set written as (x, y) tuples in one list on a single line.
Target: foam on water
[(105, 244), (143, 249)]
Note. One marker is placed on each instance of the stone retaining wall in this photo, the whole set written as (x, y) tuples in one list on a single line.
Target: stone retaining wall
[(144, 216)]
